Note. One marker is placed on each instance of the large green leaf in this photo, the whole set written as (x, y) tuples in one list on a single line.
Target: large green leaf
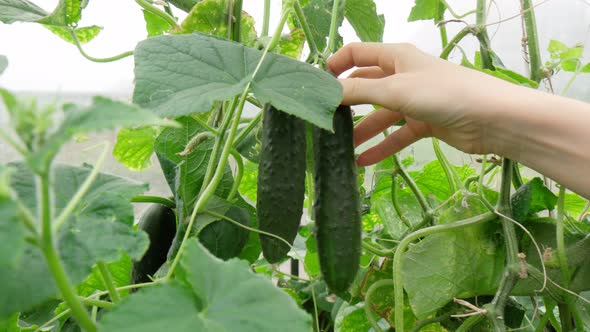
[(184, 74), (20, 11), (362, 15), (214, 296), (99, 230), (221, 237), (531, 198), (211, 17), (135, 147), (459, 264)]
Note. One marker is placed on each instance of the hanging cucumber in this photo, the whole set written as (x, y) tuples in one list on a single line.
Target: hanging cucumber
[(281, 180), (337, 203), (159, 222)]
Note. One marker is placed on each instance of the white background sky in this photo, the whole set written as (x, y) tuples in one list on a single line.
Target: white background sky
[(41, 62)]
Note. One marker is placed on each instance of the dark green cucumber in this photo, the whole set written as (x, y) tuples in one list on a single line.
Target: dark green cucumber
[(159, 222), (281, 180), (337, 203)]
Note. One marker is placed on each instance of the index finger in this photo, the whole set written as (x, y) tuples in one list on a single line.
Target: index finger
[(366, 55)]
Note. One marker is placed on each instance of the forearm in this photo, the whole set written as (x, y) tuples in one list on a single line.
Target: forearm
[(547, 133)]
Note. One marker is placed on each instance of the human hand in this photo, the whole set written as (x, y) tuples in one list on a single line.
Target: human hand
[(436, 98)]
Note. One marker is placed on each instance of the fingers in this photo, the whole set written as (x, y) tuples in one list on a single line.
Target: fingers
[(369, 55), (387, 92), (393, 143), (370, 72), (375, 123)]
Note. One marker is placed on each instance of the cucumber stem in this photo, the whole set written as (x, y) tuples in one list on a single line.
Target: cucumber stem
[(51, 256), (368, 311), (107, 279)]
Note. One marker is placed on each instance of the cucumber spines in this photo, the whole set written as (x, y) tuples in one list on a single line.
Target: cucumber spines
[(337, 203), (281, 181)]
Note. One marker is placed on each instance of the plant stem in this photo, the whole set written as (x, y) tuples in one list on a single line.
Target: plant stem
[(236, 18), (458, 37), (403, 245), (570, 81), (453, 13), (154, 10), (480, 176), (154, 199), (331, 48), (584, 211), (217, 146), (469, 323), (239, 174), (27, 217), (313, 49), (444, 39), (528, 15), (482, 35), (212, 186), (107, 279), (97, 303), (395, 202), (265, 19), (315, 309), (205, 125), (399, 168), (93, 59), (560, 238), (82, 190), (53, 262), (218, 174), (455, 183), (377, 251), (516, 177), (565, 317), (368, 311), (14, 144), (510, 276), (248, 128)]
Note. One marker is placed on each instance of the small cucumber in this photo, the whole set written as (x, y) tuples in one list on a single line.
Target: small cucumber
[(159, 222), (281, 180), (337, 202)]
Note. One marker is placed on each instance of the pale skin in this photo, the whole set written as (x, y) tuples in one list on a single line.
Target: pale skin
[(470, 110)]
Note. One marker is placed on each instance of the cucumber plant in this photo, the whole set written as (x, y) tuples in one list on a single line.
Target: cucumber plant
[(400, 246)]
